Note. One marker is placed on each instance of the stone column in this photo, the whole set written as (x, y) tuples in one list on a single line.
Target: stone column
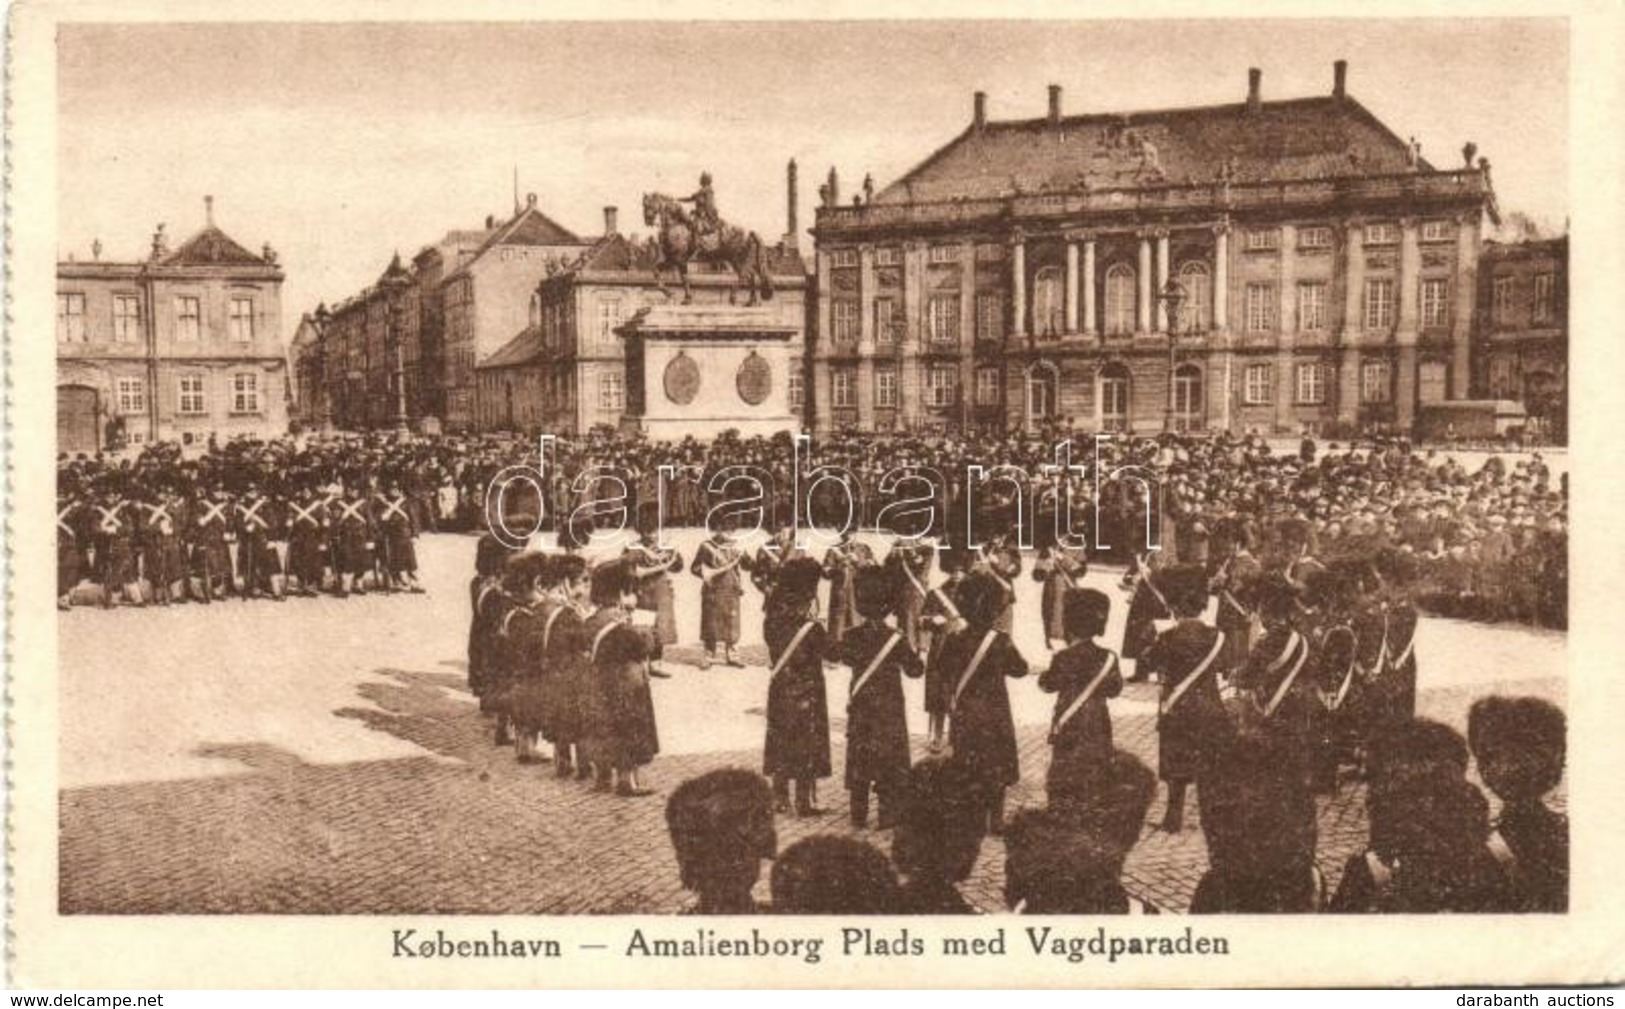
[(1461, 307), (1088, 280), (1071, 285), (912, 337), (1143, 315), (1287, 328), (1353, 280), (1348, 384), (1018, 285), (1221, 276), (821, 388), (967, 329), (866, 337), (1405, 337), (1162, 280)]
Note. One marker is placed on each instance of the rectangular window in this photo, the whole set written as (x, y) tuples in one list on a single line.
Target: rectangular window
[(1505, 290), (1256, 384), (886, 388), (940, 385), (1437, 231), (132, 397), (245, 392), (242, 320), (1315, 237), (70, 318), (611, 392), (609, 319), (796, 389), (1262, 238), (1374, 382), (989, 317), (1311, 384), (1381, 234), (191, 401), (1435, 302), (1312, 306), (886, 320), (942, 318), (842, 393), (843, 258), (188, 319), (1545, 297), (888, 255), (987, 386), (944, 254), (1379, 304), (1261, 307), (126, 318), (990, 252), (844, 320)]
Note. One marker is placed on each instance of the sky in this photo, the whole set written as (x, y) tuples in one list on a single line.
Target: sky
[(342, 143)]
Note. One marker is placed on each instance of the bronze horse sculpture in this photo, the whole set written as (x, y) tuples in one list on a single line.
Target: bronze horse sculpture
[(678, 244)]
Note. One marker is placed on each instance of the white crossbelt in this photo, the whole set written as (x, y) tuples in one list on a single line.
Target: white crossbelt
[(795, 643), (1196, 674), (1291, 676), (874, 664), (1083, 698), (975, 663)]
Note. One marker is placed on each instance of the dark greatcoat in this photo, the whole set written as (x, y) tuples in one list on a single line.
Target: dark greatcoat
[(623, 732), (1143, 608), (566, 679), (981, 731), (797, 743), (1196, 727), (1084, 744), (1060, 570), (307, 542), (876, 722), (719, 597), (1280, 664), (941, 603)]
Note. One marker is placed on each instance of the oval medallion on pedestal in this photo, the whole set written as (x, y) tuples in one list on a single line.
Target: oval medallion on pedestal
[(682, 379), (755, 379)]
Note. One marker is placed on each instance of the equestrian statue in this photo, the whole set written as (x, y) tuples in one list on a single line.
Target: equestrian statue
[(699, 234)]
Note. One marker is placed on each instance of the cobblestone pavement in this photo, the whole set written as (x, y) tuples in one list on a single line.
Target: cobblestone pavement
[(324, 757)]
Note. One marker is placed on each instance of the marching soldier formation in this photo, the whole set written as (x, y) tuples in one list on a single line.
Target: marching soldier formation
[(1280, 636)]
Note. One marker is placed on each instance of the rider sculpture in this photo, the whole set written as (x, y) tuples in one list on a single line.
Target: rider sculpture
[(699, 233)]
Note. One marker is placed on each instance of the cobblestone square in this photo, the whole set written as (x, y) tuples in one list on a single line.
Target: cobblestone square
[(323, 756)]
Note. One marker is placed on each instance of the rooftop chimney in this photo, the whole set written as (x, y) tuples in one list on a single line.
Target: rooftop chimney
[(1255, 78), (979, 110), (609, 222), (208, 211), (790, 198), (1054, 104), (1340, 79)]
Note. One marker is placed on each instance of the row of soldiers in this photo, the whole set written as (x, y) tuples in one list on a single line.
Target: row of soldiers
[(165, 541)]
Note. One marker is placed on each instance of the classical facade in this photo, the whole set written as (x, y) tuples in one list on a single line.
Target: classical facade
[(370, 354), (181, 346), (565, 372), (486, 299), (1523, 334), (1272, 266)]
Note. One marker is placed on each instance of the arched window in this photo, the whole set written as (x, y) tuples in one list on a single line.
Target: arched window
[(1042, 389), (1188, 398), (1120, 307), (1196, 314), (1114, 397), (1048, 308)]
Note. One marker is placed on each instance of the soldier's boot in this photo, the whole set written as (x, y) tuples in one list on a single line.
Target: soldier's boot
[(995, 811), (562, 767), (1173, 820), (631, 787), (781, 794), (860, 804), (503, 736), (603, 779), (583, 765), (807, 798), (886, 818)]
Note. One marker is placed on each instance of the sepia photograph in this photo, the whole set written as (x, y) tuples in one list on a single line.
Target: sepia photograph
[(810, 468)]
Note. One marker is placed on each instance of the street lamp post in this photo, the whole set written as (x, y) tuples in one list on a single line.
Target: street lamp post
[(1172, 297)]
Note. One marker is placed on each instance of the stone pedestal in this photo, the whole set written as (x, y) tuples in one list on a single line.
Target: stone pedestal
[(703, 369)]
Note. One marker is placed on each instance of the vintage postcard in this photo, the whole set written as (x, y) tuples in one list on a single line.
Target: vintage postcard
[(813, 496)]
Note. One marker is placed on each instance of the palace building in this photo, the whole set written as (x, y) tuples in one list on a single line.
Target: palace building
[(1273, 266), (182, 346), (1523, 335)]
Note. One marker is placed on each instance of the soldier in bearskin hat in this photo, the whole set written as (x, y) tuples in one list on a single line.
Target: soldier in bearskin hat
[(797, 745), (877, 756)]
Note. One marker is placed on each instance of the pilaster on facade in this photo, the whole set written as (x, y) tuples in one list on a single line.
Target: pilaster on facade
[(1221, 276), (1018, 285), (1353, 282), (1461, 314), (1142, 306), (1090, 326), (1161, 235)]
